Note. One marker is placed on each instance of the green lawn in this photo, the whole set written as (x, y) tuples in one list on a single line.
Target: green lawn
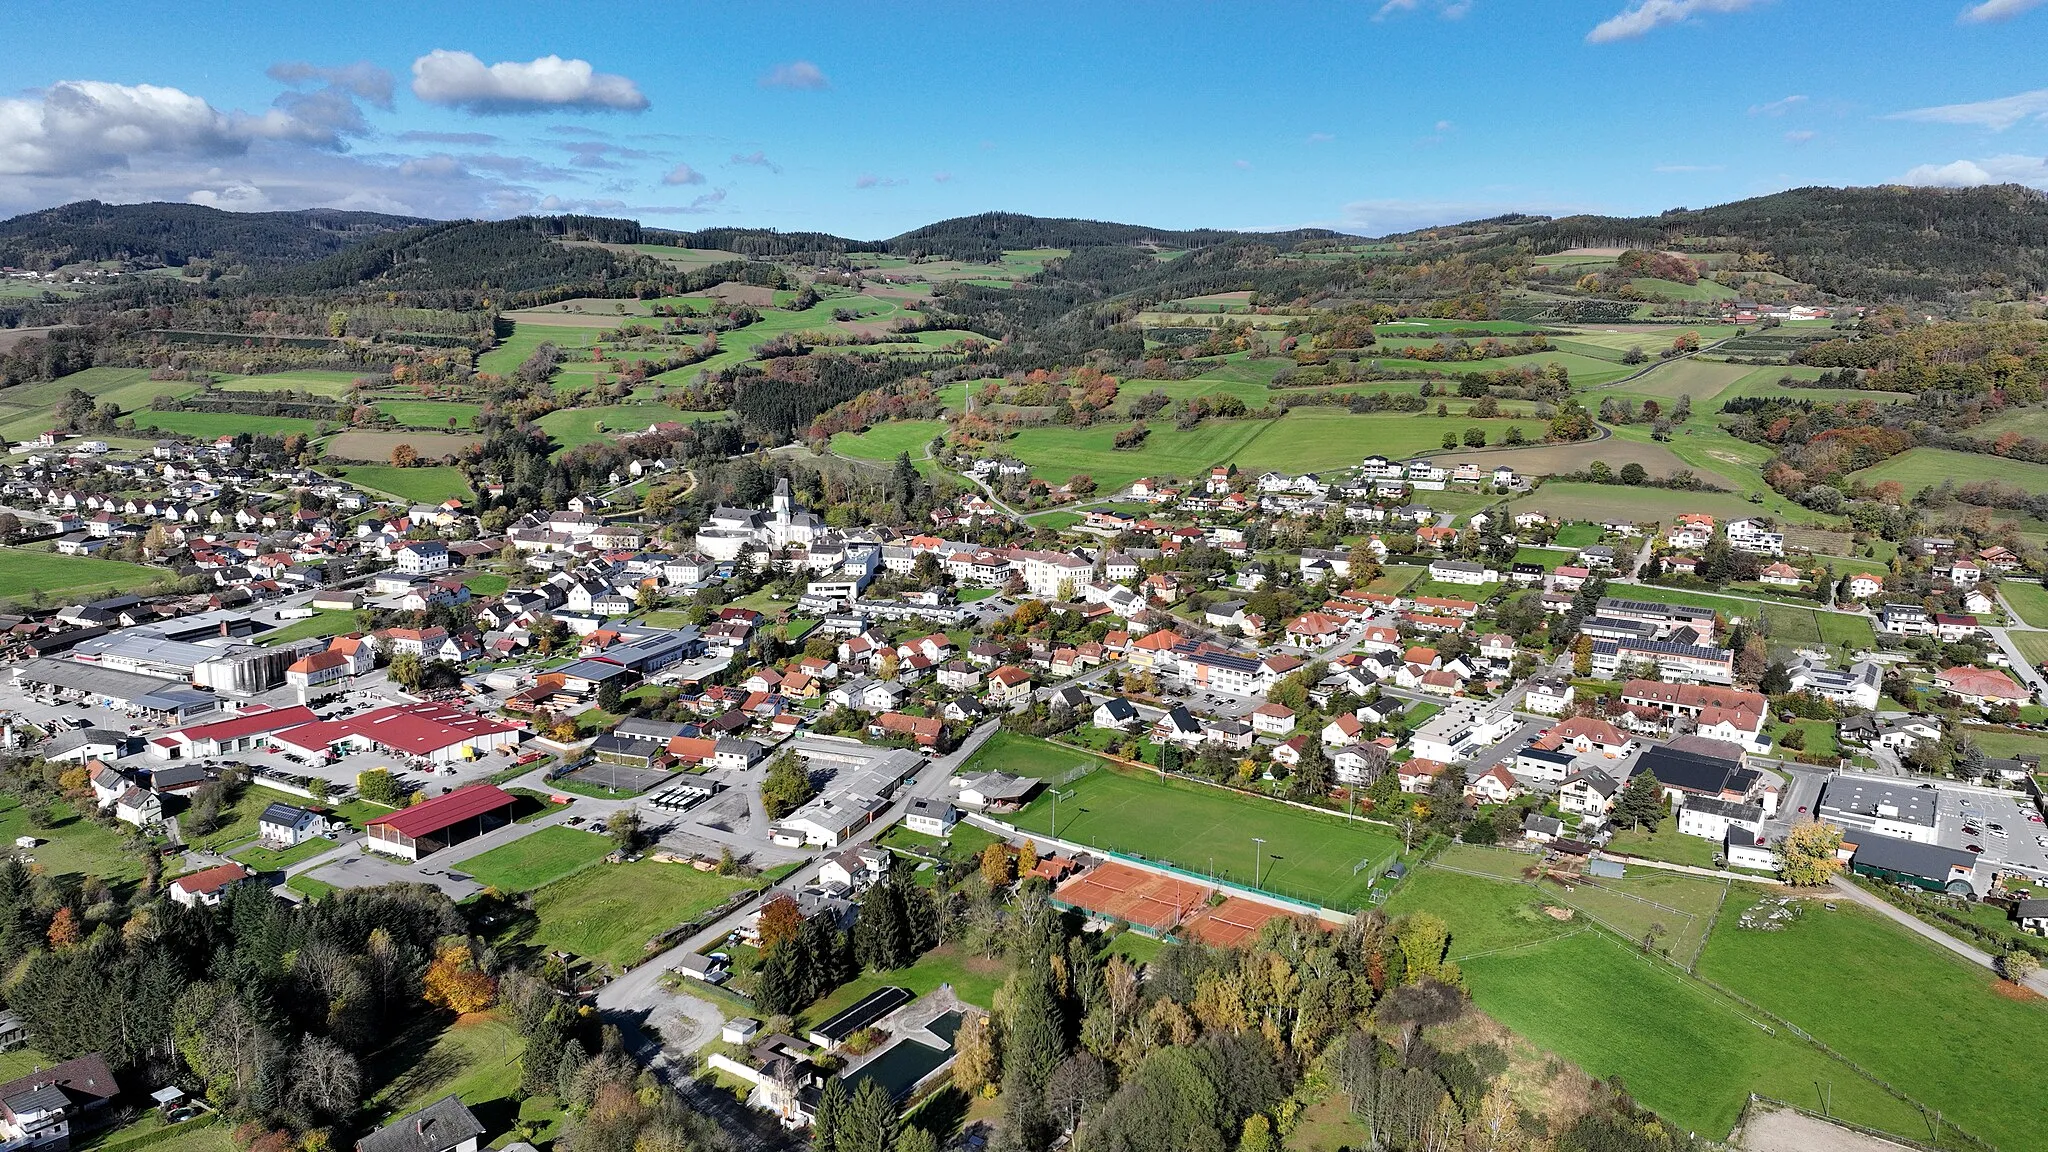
[(1577, 501), (609, 912), (437, 414), (1668, 844), (313, 380), (73, 846), (575, 427), (429, 485), (1210, 831), (1820, 973), (1307, 439), (526, 337), (1022, 755), (2029, 600), (538, 858), (1679, 290), (888, 441), (972, 977), (24, 573), (328, 622), (1700, 379), (1919, 468), (213, 425), (476, 1058), (277, 860)]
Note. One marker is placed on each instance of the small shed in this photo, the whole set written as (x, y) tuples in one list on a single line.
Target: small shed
[(1604, 868)]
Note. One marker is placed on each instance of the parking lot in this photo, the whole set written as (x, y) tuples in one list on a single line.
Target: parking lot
[(2000, 824)]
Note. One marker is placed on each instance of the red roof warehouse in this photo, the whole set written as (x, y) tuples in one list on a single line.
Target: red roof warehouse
[(427, 828), (434, 732)]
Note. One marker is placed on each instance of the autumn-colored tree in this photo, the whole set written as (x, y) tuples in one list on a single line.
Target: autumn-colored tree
[(1027, 857), (1807, 856), (975, 1065), (63, 929), (404, 456), (454, 982), (780, 921), (998, 866), (73, 780)]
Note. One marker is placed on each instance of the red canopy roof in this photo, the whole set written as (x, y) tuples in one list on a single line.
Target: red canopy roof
[(444, 811)]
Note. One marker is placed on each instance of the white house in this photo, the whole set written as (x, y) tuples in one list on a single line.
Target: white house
[(421, 557), (283, 825), (1709, 818)]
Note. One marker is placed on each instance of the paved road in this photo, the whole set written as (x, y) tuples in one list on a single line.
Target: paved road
[(2038, 981)]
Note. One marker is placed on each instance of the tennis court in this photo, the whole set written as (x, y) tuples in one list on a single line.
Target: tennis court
[(1148, 900), (616, 779), (1233, 922)]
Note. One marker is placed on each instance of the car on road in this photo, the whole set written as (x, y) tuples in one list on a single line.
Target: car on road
[(1802, 808), (1973, 847)]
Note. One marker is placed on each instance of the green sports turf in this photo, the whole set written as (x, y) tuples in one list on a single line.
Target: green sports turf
[(1210, 832), (537, 858)]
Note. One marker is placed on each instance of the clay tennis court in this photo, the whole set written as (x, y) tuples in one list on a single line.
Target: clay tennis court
[(1145, 899), (1232, 922)]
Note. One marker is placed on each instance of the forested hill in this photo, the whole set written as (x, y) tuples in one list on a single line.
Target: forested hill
[(176, 234), (984, 237), (1888, 242)]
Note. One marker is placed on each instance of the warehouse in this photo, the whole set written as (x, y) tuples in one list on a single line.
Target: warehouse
[(436, 733), (423, 829), (245, 733), (161, 700)]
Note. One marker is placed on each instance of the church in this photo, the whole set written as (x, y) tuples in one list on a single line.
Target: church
[(731, 532)]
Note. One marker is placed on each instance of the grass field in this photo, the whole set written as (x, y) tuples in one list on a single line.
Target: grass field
[(1551, 459), (278, 859), (331, 622), (212, 425), (609, 912), (1808, 626), (537, 858), (525, 338), (1210, 832), (974, 978), (1307, 439), (1642, 505), (2029, 600), (476, 1059), (888, 441), (1919, 468), (1021, 755), (430, 413), (1819, 973), (574, 427), (72, 845), (2025, 421), (1585, 371), (1681, 1049), (428, 485), (1700, 379), (1678, 290), (315, 381), (24, 573)]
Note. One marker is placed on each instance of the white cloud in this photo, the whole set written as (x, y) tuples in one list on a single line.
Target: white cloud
[(81, 126), (1777, 107), (1241, 165), (439, 166), (1800, 135), (1997, 115), (942, 177), (755, 159), (1645, 16), (798, 74), (1990, 11), (870, 180), (1445, 9), (2003, 169), (1320, 137), (1443, 126), (683, 174), (362, 79), (448, 137), (460, 80), (234, 197)]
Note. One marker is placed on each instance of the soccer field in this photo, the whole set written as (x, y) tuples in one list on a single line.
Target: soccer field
[(1212, 832)]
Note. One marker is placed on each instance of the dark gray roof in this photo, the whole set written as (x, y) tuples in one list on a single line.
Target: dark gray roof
[(1691, 771), (285, 814), (1929, 861), (436, 1128)]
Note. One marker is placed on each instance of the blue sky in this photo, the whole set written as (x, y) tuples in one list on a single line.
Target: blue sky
[(873, 118)]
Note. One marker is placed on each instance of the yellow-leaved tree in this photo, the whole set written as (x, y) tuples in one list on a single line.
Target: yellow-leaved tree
[(1807, 857), (454, 981)]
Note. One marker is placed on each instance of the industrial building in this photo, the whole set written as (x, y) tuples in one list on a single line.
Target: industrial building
[(162, 700), (436, 733)]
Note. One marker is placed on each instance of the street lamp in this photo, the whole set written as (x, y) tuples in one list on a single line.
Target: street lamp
[(1259, 860), (1056, 794)]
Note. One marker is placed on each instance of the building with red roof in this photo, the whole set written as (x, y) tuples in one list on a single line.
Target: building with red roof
[(436, 733), (426, 828), (207, 885), (243, 733)]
